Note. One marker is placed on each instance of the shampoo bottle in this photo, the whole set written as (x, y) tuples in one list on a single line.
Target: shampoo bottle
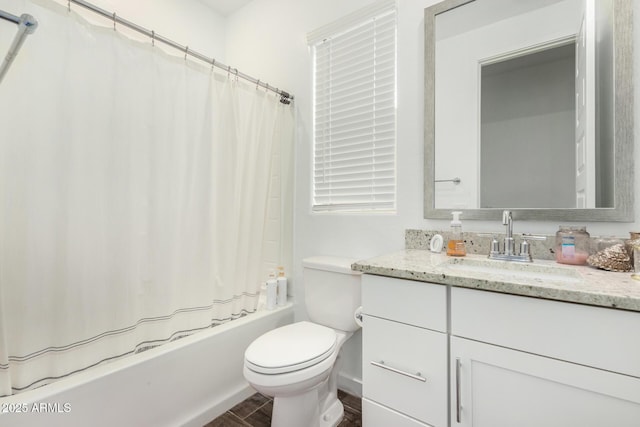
[(455, 246), (282, 287), (272, 291)]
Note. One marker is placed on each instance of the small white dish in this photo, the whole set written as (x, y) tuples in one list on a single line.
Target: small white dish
[(436, 243)]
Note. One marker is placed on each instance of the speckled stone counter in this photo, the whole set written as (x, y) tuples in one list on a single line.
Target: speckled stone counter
[(577, 284), (479, 243)]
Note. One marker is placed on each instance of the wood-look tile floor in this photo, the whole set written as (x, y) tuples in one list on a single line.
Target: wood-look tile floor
[(256, 412)]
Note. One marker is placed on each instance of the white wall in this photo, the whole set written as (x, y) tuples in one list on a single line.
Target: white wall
[(267, 39)]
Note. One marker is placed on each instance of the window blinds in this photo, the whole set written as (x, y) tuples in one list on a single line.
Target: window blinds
[(355, 117)]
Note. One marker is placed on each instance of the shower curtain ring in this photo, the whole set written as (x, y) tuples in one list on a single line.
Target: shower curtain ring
[(236, 74), (153, 38), (213, 63), (186, 51), (228, 71), (114, 21), (257, 84)]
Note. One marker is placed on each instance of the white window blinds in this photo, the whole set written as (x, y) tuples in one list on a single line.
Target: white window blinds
[(355, 115)]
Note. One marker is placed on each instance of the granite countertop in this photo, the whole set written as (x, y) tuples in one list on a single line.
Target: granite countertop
[(540, 279)]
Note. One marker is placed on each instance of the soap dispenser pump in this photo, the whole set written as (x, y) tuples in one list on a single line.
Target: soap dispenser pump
[(455, 246)]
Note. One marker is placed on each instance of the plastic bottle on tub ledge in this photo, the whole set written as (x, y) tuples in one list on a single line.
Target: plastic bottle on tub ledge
[(272, 291), (282, 287), (572, 245)]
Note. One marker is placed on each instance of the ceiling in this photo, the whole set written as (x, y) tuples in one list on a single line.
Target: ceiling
[(225, 7)]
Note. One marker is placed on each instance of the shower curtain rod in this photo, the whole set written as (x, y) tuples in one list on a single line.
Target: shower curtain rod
[(285, 97), (27, 24), (9, 17)]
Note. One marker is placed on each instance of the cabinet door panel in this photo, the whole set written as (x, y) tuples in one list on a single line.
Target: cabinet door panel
[(374, 415), (390, 351), (499, 387)]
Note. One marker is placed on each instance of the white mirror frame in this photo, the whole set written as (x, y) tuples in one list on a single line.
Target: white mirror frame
[(623, 138)]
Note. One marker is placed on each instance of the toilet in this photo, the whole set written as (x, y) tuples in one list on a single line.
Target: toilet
[(298, 364)]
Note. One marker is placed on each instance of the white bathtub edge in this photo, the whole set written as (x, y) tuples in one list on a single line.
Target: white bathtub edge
[(187, 382)]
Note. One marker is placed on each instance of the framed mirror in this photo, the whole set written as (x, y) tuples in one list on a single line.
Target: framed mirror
[(529, 107)]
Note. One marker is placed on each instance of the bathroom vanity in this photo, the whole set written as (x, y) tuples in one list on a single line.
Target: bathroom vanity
[(487, 343), (476, 342)]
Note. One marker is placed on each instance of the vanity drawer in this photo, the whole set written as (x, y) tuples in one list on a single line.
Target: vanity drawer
[(405, 367), (415, 303), (374, 415), (599, 337)]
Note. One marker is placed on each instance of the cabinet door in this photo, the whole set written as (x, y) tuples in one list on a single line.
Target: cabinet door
[(497, 387)]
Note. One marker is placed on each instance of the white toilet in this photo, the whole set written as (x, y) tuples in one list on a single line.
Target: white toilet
[(298, 364)]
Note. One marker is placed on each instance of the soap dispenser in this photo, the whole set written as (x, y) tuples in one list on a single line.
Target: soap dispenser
[(455, 246)]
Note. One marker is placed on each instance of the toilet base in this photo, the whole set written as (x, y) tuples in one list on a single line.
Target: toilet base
[(333, 415), (296, 411), (304, 410)]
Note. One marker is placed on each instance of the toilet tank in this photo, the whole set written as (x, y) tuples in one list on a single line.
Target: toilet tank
[(332, 291)]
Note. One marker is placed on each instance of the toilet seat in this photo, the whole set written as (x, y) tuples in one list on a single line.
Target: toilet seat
[(291, 348)]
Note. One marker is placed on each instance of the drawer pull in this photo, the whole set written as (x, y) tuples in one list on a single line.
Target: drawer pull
[(398, 371), (458, 405)]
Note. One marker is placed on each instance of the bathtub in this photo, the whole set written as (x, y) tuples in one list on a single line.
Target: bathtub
[(187, 382)]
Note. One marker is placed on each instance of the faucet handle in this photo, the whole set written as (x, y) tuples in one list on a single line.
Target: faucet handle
[(529, 236), (495, 246), (525, 247)]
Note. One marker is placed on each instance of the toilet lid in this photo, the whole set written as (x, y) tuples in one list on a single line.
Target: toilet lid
[(290, 348)]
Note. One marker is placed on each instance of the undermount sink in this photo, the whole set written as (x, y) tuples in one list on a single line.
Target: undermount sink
[(513, 270)]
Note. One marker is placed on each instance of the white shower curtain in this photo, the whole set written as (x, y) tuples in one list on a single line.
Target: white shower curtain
[(134, 189)]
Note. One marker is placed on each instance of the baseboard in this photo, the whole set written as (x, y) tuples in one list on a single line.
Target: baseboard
[(218, 408), (350, 384), (346, 383)]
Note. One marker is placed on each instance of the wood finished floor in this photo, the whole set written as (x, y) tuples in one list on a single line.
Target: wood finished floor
[(256, 412)]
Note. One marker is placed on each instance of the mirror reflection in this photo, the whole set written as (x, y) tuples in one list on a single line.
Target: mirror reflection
[(524, 105), (528, 114)]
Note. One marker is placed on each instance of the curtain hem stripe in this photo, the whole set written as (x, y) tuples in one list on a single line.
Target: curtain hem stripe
[(137, 349), (105, 334)]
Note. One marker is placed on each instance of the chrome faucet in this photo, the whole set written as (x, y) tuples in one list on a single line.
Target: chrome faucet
[(509, 252), (509, 242)]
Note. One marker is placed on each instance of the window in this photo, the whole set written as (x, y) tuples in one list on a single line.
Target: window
[(354, 151)]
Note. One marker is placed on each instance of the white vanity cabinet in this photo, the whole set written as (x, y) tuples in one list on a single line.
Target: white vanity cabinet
[(518, 361), (404, 353), (438, 355)]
